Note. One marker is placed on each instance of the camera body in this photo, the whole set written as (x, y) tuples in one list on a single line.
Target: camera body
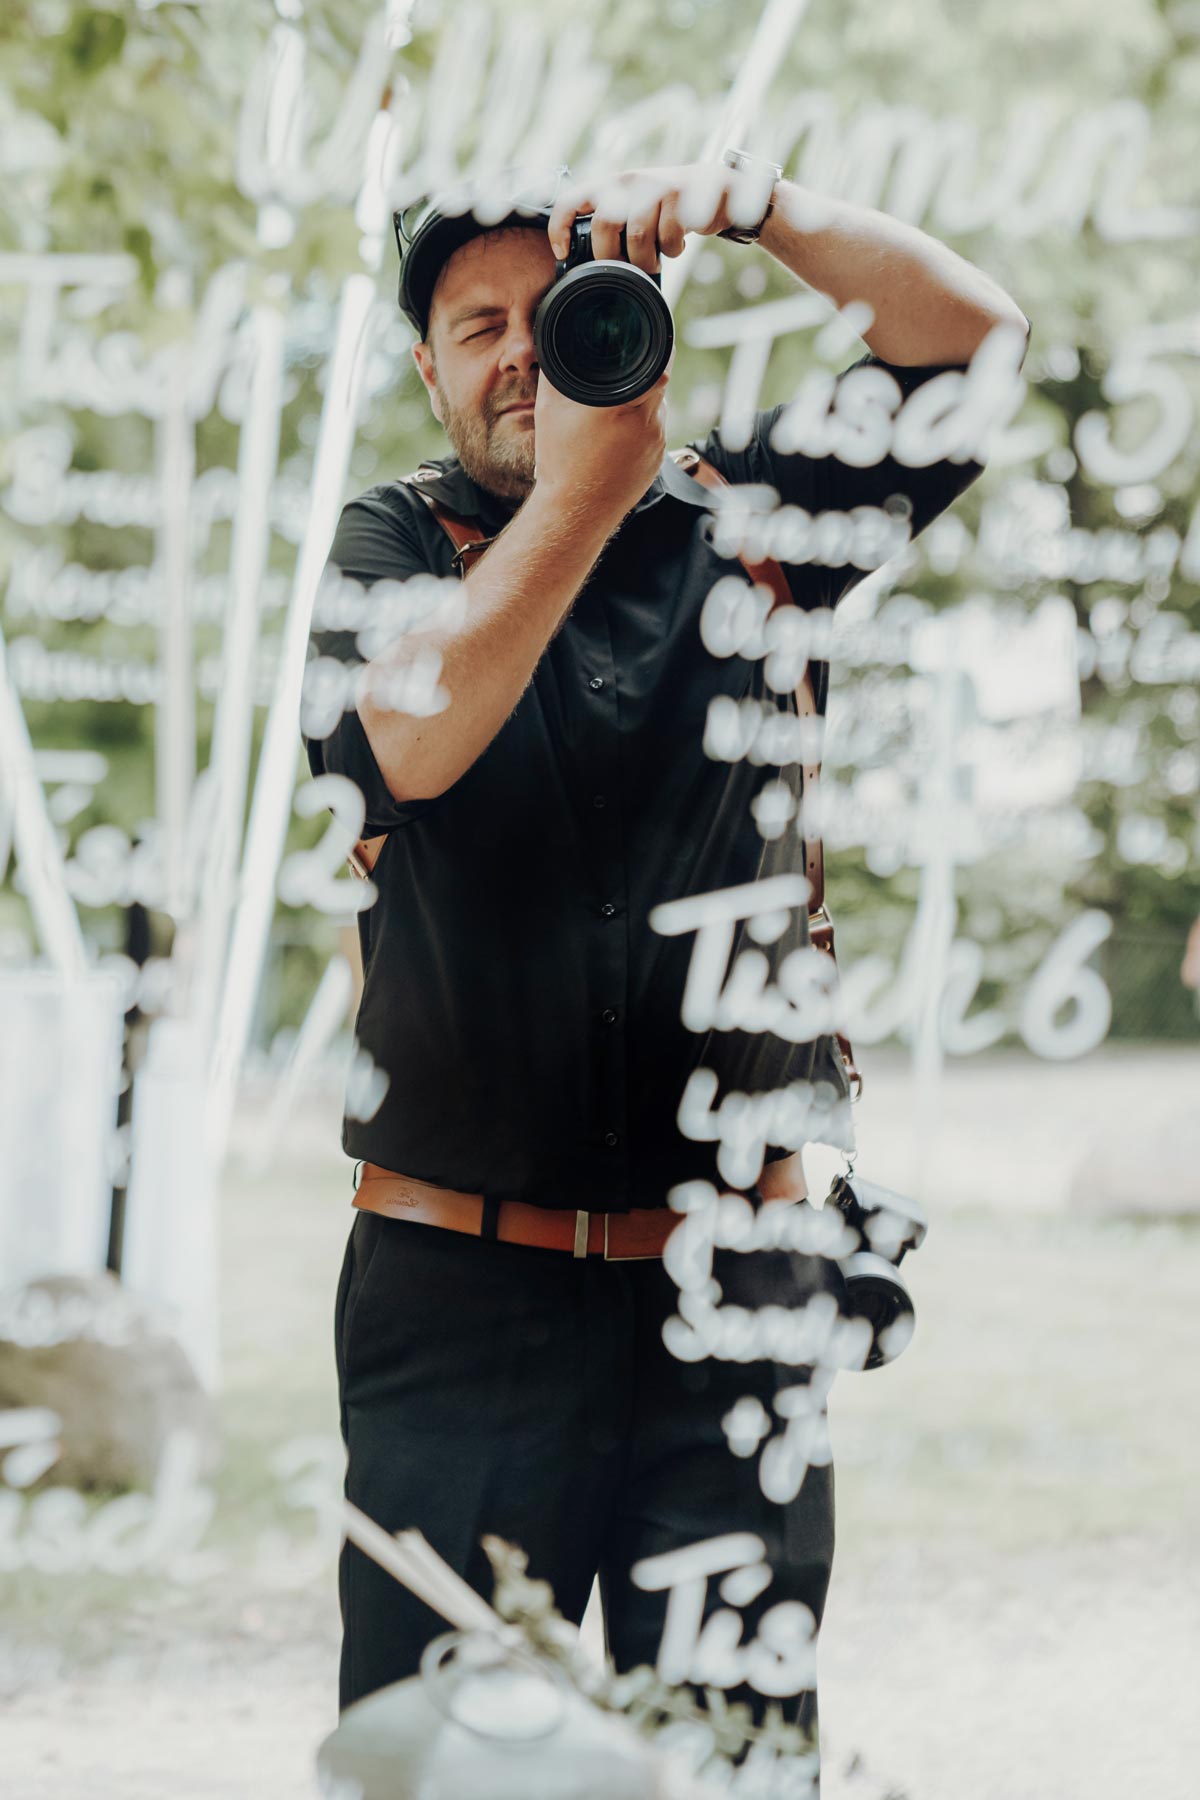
[(603, 334), (889, 1224)]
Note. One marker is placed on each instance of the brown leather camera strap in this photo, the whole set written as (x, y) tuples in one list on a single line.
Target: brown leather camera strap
[(470, 542), (771, 575), (820, 925)]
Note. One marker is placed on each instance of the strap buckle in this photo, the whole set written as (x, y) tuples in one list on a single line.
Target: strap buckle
[(820, 933), (820, 928), (475, 547)]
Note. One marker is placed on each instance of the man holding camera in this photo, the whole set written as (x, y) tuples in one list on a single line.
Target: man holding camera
[(499, 1315)]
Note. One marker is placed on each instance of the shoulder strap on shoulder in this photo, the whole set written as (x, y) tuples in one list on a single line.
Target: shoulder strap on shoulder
[(469, 541), (771, 574)]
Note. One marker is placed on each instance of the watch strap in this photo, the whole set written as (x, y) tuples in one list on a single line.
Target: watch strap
[(742, 159)]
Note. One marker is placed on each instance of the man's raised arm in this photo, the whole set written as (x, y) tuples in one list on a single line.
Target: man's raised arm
[(594, 464)]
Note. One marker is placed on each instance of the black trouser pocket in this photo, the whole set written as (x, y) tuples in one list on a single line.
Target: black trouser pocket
[(361, 1246)]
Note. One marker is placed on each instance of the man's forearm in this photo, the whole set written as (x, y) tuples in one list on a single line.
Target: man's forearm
[(516, 596), (930, 304)]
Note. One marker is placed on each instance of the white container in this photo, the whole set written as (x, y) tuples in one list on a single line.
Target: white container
[(60, 1070)]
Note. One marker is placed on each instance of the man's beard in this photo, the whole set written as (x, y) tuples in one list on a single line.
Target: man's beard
[(496, 450)]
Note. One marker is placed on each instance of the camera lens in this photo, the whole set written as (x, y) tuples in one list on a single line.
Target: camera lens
[(604, 333)]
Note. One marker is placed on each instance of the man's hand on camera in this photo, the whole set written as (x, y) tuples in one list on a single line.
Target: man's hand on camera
[(604, 456), (655, 207)]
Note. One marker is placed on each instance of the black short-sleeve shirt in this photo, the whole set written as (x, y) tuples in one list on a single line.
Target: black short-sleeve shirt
[(524, 1010)]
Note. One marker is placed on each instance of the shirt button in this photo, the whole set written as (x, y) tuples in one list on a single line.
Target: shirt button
[(596, 683), (609, 1015), (611, 1139), (607, 910), (599, 800)]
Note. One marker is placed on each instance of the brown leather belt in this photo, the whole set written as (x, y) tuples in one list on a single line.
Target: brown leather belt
[(618, 1237)]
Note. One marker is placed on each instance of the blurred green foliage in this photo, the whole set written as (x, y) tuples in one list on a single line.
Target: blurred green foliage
[(121, 124)]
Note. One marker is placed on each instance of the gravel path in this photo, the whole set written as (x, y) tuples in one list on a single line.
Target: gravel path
[(1066, 1676)]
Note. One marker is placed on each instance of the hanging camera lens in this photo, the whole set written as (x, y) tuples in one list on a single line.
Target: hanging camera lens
[(603, 333), (890, 1224)]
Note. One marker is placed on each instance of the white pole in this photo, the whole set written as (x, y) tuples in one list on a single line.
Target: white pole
[(322, 1021), (175, 712), (276, 776), (937, 907), (169, 1253), (38, 854), (767, 49), (258, 455), (171, 1248)]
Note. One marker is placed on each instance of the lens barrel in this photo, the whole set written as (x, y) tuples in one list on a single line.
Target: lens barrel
[(603, 334)]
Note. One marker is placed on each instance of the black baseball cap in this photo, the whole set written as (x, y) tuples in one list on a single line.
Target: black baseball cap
[(431, 229)]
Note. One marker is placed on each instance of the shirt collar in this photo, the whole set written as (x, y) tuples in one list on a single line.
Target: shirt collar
[(445, 479)]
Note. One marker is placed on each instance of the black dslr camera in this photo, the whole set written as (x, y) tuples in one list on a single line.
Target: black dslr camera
[(603, 333), (890, 1225)]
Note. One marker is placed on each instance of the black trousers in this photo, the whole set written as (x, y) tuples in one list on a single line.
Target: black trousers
[(494, 1387)]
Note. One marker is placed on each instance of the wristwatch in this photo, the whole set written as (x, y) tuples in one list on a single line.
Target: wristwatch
[(741, 159)]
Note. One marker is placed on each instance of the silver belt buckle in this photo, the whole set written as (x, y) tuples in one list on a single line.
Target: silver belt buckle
[(582, 1220)]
